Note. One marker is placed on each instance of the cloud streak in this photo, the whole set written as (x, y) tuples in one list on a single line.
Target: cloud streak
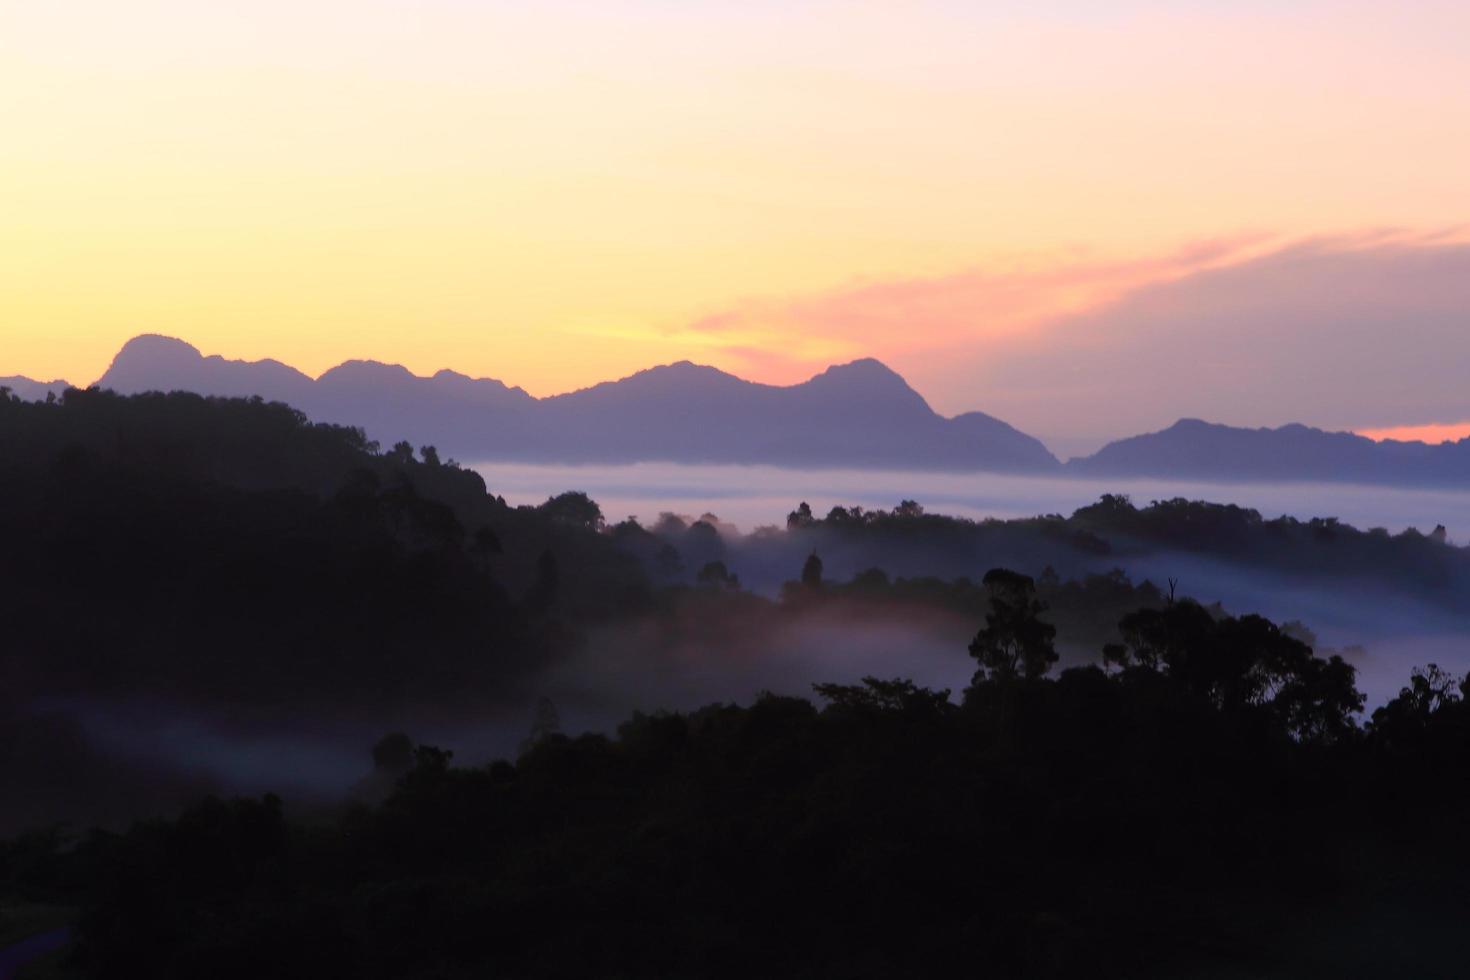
[(1364, 331), (1433, 433), (902, 320)]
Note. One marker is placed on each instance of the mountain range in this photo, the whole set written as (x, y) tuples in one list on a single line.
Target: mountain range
[(860, 414), (1193, 449), (857, 414), (33, 391)]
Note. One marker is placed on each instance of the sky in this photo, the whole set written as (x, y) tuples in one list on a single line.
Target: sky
[(1045, 211)]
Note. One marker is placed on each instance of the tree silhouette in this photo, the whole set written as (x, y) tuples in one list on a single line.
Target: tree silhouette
[(715, 575), (800, 517), (545, 722), (894, 696), (574, 508), (543, 593), (811, 572), (1405, 723), (1244, 664), (1015, 642), (393, 754)]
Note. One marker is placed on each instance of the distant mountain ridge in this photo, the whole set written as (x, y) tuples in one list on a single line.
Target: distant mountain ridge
[(33, 391), (860, 414), (1194, 449)]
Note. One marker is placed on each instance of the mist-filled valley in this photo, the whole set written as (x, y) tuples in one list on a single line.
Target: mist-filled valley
[(1393, 620), (753, 496), (208, 597), (186, 645), (734, 491)]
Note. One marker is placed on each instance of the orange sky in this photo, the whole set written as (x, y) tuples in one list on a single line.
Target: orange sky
[(562, 192), (1434, 433)]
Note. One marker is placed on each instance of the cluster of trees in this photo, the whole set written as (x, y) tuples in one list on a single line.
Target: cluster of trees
[(1321, 546), (1172, 806), (229, 555), (1190, 806), (1084, 611), (228, 547), (802, 516), (1115, 531)]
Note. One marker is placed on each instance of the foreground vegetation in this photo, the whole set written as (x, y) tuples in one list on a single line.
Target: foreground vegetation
[(1205, 797), (1201, 801)]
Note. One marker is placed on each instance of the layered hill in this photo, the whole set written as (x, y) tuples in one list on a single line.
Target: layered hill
[(1192, 449), (860, 414), (33, 391)]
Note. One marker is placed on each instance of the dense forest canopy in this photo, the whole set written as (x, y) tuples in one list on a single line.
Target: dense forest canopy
[(229, 546), (1131, 783), (1186, 808)]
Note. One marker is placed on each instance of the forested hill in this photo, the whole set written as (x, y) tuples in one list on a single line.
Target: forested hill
[(1204, 804), (1201, 793), (231, 547)]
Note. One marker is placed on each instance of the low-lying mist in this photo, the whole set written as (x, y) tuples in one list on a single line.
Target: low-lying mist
[(688, 658), (724, 642), (677, 662), (756, 495)]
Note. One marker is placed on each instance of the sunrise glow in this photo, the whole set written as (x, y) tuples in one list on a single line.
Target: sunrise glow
[(1434, 434), (560, 193)]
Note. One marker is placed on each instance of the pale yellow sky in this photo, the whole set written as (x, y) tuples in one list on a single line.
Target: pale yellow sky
[(558, 193)]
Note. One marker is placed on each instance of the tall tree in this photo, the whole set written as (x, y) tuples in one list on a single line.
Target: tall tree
[(1015, 642), (811, 571)]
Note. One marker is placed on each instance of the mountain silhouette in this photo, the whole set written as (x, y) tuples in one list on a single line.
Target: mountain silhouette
[(856, 414), (859, 414), (33, 391), (1193, 449)]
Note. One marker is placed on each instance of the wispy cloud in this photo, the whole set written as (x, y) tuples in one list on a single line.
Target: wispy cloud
[(1433, 433), (1358, 331), (788, 337)]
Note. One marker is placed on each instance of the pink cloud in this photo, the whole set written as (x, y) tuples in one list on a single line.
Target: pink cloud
[(1433, 433), (1364, 331), (896, 319)]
